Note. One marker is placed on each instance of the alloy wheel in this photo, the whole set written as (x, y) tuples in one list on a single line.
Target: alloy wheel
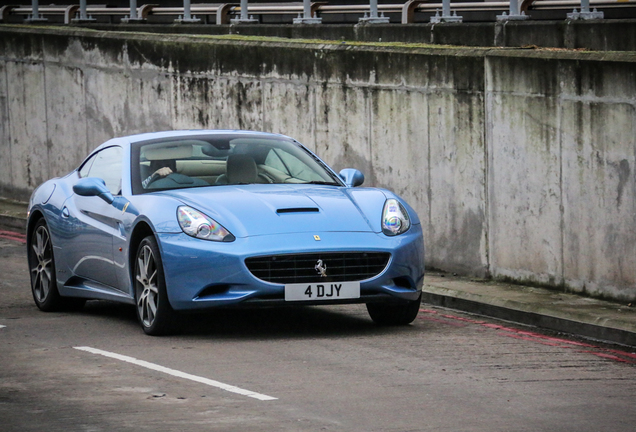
[(42, 264), (146, 286)]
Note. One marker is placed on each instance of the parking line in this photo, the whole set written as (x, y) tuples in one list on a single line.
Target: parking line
[(1, 326), (177, 373)]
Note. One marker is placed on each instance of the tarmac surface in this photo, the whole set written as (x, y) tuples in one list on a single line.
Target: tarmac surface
[(555, 310)]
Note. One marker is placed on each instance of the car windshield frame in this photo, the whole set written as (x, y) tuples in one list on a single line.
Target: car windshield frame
[(277, 160)]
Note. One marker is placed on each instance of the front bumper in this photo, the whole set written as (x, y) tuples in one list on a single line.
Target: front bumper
[(203, 274)]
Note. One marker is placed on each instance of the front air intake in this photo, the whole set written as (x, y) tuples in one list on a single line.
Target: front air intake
[(308, 268)]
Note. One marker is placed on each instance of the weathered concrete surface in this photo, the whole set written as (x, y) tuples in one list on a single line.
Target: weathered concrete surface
[(561, 181), (598, 35), (520, 163)]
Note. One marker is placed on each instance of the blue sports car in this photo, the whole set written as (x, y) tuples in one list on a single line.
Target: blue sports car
[(193, 220)]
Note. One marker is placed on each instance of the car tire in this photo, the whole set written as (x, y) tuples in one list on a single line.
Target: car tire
[(154, 312), (42, 271), (394, 314)]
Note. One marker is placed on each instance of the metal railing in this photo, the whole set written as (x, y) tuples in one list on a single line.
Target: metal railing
[(224, 12), (573, 4)]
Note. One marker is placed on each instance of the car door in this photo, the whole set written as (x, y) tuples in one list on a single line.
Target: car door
[(95, 222)]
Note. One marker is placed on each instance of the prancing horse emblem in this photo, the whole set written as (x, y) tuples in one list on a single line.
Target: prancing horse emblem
[(321, 268)]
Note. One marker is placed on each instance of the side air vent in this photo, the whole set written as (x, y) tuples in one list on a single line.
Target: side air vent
[(298, 210)]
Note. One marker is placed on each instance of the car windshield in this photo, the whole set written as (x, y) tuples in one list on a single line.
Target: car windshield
[(186, 162)]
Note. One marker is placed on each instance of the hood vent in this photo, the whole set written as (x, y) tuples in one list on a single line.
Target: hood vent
[(298, 210)]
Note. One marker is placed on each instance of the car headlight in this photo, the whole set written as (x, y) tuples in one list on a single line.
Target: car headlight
[(395, 218), (196, 224)]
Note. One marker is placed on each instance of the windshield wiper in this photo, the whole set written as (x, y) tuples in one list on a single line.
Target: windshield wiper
[(322, 182)]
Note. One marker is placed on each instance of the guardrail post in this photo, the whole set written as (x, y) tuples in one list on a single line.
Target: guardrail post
[(446, 14), (307, 17), (83, 18), (187, 16), (244, 18), (585, 13), (222, 13), (133, 14), (514, 14), (5, 11), (35, 16), (408, 11), (373, 17)]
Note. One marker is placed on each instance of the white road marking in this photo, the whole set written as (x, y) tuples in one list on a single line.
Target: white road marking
[(1, 326), (177, 373)]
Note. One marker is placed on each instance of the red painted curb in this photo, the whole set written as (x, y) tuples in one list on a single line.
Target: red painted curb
[(10, 235)]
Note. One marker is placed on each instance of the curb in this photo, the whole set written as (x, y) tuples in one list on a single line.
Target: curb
[(610, 330), (13, 223)]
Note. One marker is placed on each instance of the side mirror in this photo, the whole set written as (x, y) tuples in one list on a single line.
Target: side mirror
[(93, 186), (352, 177)]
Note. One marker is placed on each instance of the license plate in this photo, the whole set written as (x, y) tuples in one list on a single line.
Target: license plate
[(322, 291)]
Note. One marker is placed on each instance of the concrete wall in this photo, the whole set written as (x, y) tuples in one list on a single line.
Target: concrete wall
[(520, 163), (596, 35)]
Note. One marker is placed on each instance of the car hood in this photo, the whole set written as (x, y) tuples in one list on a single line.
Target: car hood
[(252, 210)]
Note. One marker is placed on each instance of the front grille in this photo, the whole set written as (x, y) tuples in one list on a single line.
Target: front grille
[(339, 267)]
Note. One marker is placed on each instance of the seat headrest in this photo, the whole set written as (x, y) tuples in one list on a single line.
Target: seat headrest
[(241, 169)]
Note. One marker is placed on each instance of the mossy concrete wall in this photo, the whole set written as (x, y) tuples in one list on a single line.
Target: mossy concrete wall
[(521, 164), (597, 35)]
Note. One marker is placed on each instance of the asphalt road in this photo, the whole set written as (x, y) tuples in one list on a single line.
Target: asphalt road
[(306, 369)]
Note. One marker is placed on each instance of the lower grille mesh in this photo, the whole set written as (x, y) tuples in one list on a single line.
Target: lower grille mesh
[(302, 268)]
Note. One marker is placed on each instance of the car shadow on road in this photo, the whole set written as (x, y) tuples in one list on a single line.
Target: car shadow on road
[(259, 323)]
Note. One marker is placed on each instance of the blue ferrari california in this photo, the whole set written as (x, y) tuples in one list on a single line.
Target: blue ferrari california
[(193, 220)]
